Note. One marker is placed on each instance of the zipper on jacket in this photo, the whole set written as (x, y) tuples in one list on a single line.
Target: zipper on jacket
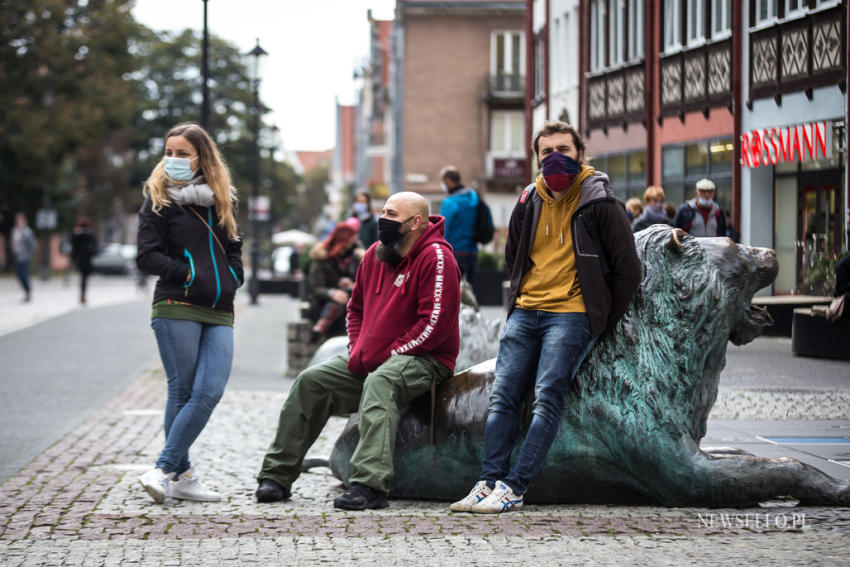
[(215, 265), (232, 271), (188, 284)]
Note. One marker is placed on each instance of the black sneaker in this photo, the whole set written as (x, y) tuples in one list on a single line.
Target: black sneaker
[(270, 491), (361, 497)]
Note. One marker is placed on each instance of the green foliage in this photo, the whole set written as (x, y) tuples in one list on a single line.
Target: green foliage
[(86, 96), (820, 273)]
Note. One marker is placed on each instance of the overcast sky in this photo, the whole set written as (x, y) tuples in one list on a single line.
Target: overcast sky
[(314, 47)]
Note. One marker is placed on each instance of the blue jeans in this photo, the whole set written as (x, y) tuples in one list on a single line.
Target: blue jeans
[(22, 270), (539, 349), (197, 358)]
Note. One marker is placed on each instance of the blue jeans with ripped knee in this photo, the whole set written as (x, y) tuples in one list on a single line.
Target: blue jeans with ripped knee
[(197, 358), (539, 350)]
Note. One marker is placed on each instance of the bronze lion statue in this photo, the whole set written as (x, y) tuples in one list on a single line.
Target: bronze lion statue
[(633, 421)]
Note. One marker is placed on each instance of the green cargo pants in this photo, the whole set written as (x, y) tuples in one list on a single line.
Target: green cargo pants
[(330, 389)]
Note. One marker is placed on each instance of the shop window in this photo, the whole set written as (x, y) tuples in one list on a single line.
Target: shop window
[(627, 173), (696, 162), (617, 169), (682, 166), (721, 156)]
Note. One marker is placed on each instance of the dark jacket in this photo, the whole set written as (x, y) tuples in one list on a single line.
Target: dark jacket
[(83, 248), (605, 299), (175, 243), (324, 275), (411, 309), (650, 217)]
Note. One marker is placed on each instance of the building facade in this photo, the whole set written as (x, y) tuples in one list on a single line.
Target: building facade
[(457, 97), (676, 90)]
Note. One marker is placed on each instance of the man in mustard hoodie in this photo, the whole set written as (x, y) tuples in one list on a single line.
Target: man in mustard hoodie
[(573, 266)]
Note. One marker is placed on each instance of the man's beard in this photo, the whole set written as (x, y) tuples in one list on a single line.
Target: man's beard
[(389, 254)]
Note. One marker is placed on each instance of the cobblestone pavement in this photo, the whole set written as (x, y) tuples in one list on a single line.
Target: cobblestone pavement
[(79, 504)]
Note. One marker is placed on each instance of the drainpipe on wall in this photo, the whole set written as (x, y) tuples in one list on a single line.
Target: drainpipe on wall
[(529, 83), (737, 108), (397, 105)]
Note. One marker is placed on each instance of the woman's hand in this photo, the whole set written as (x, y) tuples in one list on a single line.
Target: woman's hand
[(338, 296)]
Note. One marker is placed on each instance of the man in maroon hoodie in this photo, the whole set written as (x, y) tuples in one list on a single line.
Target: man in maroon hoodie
[(403, 337)]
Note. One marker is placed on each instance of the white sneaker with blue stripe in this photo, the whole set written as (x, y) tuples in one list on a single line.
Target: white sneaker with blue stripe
[(478, 493), (502, 499)]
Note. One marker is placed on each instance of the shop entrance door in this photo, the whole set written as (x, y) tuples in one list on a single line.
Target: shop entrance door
[(819, 221)]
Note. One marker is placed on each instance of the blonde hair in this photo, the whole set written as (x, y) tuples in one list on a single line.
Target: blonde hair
[(634, 203), (654, 193), (213, 168)]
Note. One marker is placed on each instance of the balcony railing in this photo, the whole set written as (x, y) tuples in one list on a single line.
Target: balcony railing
[(697, 79), (616, 97), (799, 55), (505, 86)]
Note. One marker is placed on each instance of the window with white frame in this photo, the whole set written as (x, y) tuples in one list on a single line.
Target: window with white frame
[(672, 25), (556, 54), (598, 35), (636, 26), (616, 31), (696, 29), (507, 53), (506, 132), (766, 10), (721, 17)]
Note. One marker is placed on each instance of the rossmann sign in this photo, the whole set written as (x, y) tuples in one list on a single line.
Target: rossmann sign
[(800, 142)]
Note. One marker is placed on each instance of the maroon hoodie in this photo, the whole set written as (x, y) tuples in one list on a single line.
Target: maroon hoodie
[(412, 309)]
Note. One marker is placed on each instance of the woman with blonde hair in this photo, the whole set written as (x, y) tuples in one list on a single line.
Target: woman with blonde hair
[(188, 237)]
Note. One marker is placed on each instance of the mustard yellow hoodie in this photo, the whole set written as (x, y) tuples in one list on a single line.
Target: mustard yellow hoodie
[(552, 283)]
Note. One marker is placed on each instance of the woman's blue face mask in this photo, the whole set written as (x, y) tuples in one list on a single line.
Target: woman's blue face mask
[(177, 168)]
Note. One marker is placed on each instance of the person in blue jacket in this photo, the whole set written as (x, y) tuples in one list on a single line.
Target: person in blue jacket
[(459, 208), (188, 237)]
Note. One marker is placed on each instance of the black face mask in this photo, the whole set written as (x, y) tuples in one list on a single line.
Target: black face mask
[(389, 231)]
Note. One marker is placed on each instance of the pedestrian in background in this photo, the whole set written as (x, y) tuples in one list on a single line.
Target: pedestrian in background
[(670, 211), (653, 212), (83, 249), (459, 209), (23, 248), (702, 216), (331, 279), (403, 341), (188, 237), (361, 209), (634, 208)]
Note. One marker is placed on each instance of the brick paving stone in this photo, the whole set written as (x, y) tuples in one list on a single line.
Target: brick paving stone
[(80, 503)]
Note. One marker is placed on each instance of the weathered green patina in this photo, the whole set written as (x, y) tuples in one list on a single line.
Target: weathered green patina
[(632, 425)]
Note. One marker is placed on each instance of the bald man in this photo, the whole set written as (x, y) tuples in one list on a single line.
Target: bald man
[(402, 338)]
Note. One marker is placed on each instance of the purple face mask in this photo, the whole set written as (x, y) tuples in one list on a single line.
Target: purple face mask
[(559, 170)]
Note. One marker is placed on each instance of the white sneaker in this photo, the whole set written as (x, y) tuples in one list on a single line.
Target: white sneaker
[(156, 482), (502, 499), (190, 487), (478, 493)]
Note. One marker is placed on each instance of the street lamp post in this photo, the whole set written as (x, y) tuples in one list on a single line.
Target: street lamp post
[(254, 287), (205, 74)]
